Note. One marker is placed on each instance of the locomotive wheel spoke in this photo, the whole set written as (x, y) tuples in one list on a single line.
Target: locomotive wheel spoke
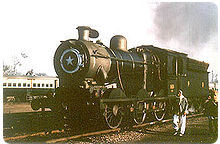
[(109, 117), (160, 110), (113, 115), (140, 112)]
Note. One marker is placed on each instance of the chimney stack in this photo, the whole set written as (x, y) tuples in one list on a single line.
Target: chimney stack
[(86, 32)]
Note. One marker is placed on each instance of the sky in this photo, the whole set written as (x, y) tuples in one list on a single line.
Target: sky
[(37, 27)]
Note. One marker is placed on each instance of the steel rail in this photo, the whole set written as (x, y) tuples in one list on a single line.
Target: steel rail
[(31, 135)]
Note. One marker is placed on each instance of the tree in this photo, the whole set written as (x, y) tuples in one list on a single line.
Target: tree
[(7, 69), (30, 72), (17, 62), (216, 78), (40, 74), (12, 69)]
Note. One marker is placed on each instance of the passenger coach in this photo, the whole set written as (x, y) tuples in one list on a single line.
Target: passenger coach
[(25, 88)]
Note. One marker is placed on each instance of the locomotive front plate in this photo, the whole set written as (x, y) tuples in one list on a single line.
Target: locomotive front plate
[(71, 60)]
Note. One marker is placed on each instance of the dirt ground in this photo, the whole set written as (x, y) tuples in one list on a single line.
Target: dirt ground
[(196, 133), (18, 121), (11, 107)]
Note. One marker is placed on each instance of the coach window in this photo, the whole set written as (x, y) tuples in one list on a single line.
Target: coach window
[(24, 84), (9, 84), (34, 84), (19, 84), (29, 85), (42, 85), (14, 84), (51, 85), (4, 84), (47, 85), (38, 85)]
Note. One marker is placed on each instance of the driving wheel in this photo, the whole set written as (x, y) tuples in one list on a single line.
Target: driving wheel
[(113, 115)]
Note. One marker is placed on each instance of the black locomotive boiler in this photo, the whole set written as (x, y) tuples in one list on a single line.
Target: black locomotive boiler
[(115, 82)]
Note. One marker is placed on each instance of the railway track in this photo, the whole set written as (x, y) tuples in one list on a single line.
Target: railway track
[(65, 137)]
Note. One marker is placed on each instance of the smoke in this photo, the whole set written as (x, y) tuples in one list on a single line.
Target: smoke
[(188, 27)]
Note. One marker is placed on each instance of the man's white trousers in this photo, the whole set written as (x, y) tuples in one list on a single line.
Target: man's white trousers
[(179, 122)]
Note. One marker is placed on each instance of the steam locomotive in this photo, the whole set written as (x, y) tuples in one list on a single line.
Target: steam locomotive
[(116, 82)]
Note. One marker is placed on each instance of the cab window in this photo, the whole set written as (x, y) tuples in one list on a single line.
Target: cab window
[(174, 66)]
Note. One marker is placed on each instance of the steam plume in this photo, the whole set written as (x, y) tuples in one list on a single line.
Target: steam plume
[(191, 26)]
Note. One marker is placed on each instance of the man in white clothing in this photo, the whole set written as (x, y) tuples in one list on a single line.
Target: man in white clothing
[(179, 117)]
